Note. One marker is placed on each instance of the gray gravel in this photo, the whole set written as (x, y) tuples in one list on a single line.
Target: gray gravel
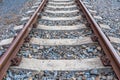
[(51, 34), (61, 15), (111, 32), (60, 23), (116, 46), (60, 52), (109, 10), (60, 1), (10, 33), (7, 30), (3, 49), (95, 74), (62, 4), (66, 9), (111, 15), (11, 11)]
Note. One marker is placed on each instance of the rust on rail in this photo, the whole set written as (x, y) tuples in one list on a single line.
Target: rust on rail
[(7, 59), (103, 40)]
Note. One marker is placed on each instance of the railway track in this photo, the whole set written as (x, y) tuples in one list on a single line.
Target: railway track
[(60, 40)]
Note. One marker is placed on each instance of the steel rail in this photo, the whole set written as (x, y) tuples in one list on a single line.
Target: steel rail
[(5, 60), (106, 45)]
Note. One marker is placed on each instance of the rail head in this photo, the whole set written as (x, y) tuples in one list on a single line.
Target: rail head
[(106, 45), (5, 59)]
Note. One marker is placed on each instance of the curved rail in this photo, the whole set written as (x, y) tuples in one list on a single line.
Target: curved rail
[(5, 60), (103, 40)]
